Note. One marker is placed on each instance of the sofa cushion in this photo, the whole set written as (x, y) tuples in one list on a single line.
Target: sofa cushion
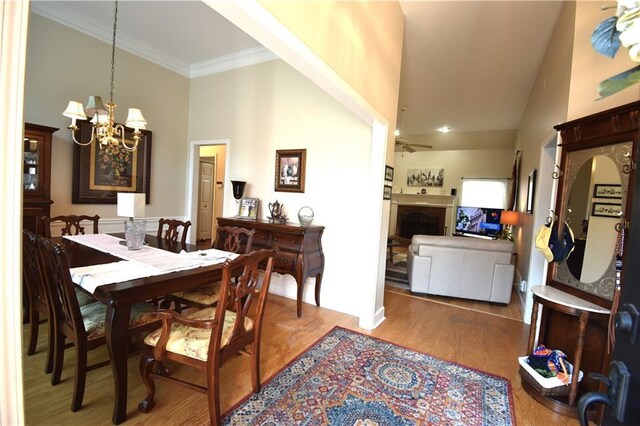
[(469, 243)]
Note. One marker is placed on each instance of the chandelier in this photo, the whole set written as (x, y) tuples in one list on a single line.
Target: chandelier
[(103, 126)]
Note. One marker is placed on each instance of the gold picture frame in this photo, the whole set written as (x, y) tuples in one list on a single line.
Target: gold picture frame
[(100, 173), (290, 170)]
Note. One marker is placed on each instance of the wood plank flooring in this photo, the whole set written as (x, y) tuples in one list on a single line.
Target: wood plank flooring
[(486, 342)]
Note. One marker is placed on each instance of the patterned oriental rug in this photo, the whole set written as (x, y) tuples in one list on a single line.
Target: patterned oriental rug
[(348, 378)]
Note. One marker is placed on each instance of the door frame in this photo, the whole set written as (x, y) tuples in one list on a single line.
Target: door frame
[(193, 166)]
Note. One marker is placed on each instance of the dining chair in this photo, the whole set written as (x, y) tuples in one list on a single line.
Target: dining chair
[(39, 307), (228, 238), (72, 224), (83, 326), (173, 230), (207, 338)]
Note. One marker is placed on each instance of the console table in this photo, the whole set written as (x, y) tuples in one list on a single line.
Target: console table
[(299, 249), (553, 299)]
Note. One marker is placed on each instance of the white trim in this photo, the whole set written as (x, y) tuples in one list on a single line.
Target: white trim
[(70, 18), (193, 160), (14, 17), (236, 60)]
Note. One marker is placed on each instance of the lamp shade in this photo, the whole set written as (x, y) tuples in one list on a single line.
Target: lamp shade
[(509, 217), (135, 119), (74, 111), (95, 106), (131, 204)]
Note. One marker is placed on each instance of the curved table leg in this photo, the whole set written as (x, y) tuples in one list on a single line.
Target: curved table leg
[(117, 336), (300, 283), (318, 283)]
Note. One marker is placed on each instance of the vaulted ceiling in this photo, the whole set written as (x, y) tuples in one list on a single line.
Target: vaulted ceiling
[(469, 65)]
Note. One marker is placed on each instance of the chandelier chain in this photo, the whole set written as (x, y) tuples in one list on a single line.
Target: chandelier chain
[(113, 50)]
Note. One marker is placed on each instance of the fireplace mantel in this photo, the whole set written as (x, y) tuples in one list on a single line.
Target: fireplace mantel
[(425, 199), (428, 200)]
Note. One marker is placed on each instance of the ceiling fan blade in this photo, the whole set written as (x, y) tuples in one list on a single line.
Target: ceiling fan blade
[(421, 146), (408, 147)]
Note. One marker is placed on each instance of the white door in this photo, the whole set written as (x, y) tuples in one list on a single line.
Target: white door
[(205, 201)]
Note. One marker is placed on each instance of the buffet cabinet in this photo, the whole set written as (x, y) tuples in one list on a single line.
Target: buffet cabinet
[(299, 250), (36, 178)]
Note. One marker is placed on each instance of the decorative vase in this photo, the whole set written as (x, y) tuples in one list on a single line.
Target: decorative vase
[(238, 188), (305, 216), (134, 232)]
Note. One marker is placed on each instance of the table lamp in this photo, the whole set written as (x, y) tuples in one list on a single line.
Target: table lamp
[(132, 205), (508, 218)]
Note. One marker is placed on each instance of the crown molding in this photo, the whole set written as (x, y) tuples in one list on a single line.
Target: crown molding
[(229, 62), (69, 18)]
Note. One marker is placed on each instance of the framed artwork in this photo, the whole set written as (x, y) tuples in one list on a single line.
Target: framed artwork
[(386, 193), (531, 191), (99, 173), (248, 208), (388, 173), (607, 191), (606, 209), (290, 170), (425, 177)]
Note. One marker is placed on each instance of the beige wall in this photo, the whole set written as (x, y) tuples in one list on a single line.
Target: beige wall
[(456, 164), (343, 34), (64, 65), (547, 106), (270, 106)]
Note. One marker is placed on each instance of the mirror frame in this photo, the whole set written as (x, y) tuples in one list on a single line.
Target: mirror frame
[(597, 134)]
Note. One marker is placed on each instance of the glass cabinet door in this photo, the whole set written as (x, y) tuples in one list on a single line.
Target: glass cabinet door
[(32, 177)]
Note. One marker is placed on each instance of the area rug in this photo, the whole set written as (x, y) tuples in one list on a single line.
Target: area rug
[(348, 378), (396, 274)]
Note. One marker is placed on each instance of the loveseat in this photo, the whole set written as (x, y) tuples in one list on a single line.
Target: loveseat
[(464, 267)]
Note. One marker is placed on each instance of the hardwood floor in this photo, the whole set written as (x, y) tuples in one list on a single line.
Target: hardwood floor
[(485, 342)]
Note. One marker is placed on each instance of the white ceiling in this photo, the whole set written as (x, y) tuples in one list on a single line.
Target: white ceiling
[(466, 64)]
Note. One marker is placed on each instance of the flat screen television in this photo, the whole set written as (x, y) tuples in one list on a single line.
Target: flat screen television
[(478, 221)]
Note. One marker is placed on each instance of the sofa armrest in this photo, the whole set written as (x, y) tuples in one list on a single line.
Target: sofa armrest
[(418, 272), (502, 283)]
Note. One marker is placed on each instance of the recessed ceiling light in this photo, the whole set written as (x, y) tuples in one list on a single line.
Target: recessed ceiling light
[(397, 132), (444, 129)]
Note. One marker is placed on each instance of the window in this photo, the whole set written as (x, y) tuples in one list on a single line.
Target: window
[(488, 192)]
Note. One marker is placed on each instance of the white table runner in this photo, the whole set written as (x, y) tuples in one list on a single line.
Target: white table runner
[(146, 262)]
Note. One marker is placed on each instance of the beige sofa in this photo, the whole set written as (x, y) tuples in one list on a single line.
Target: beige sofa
[(465, 267)]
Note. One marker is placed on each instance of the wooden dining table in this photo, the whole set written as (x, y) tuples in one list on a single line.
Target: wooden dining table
[(119, 297)]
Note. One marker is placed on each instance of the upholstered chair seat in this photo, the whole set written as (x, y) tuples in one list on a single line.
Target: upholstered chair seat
[(94, 314), (207, 294), (194, 342)]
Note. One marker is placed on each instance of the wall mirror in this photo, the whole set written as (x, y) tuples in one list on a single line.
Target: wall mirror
[(592, 201)]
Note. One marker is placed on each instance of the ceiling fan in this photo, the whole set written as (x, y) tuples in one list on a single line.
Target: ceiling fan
[(403, 144)]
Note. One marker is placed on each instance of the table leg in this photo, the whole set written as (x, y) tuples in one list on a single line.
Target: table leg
[(300, 282), (318, 283), (117, 336), (582, 327), (533, 325)]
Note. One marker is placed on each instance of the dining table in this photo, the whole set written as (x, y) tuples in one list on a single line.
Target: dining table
[(120, 296)]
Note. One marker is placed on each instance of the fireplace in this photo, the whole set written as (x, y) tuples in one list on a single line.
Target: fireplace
[(423, 220)]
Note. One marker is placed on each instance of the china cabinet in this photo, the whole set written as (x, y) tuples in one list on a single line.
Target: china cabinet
[(36, 178)]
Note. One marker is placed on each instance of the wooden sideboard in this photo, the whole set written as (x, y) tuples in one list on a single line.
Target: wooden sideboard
[(299, 250)]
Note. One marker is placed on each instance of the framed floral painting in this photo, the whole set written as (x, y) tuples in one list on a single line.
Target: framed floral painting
[(99, 173)]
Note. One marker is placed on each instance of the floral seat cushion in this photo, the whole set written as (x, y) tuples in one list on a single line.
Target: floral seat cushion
[(207, 294), (93, 316), (194, 342), (84, 298)]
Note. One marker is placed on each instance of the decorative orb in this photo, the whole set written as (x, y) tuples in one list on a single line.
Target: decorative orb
[(305, 216)]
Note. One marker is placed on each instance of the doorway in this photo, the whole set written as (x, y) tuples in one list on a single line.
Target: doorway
[(206, 197), (215, 154)]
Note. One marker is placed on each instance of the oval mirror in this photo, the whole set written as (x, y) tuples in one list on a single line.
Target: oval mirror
[(593, 204)]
